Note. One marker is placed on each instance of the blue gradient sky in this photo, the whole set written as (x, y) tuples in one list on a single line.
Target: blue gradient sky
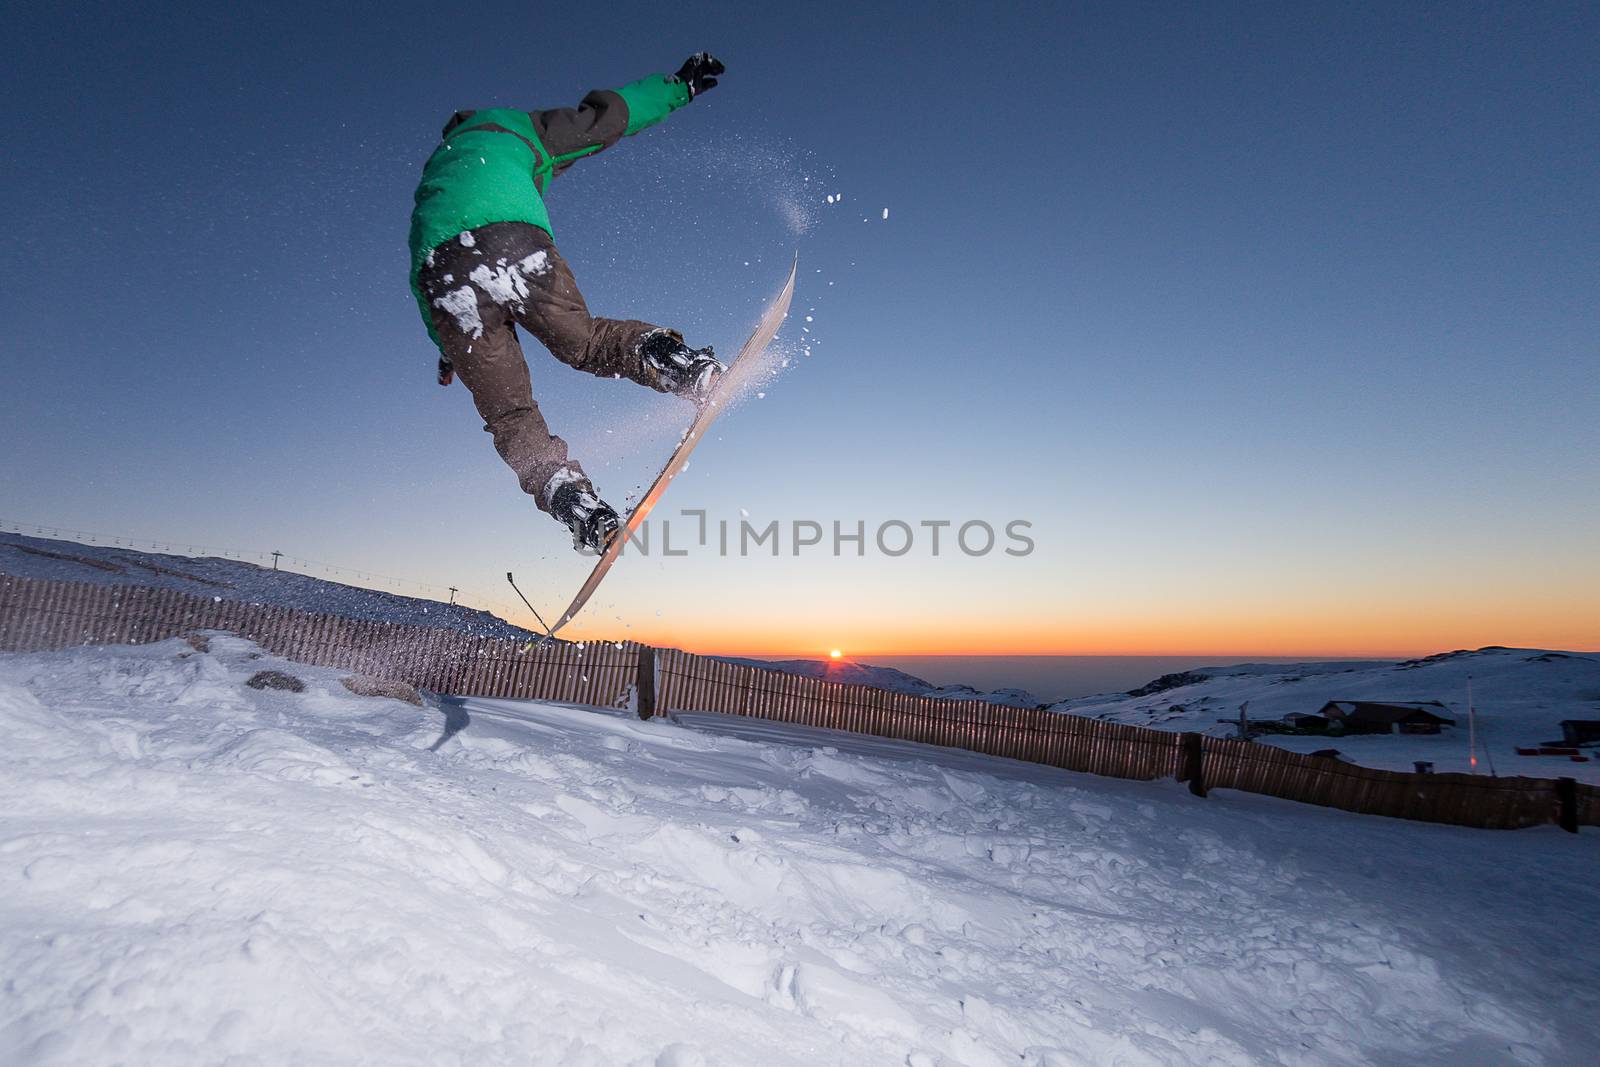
[(1279, 322)]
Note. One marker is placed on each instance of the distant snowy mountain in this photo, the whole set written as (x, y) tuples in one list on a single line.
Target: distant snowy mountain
[(194, 871), (1521, 696), (889, 678), (842, 671), (1016, 698)]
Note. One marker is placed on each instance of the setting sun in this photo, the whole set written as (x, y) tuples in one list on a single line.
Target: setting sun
[(835, 654)]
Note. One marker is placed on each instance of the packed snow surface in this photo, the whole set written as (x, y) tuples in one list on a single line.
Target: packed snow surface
[(196, 872), (1521, 696)]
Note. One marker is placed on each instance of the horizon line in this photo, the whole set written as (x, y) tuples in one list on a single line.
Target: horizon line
[(856, 656)]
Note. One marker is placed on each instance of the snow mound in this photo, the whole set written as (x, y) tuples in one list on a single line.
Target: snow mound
[(196, 872)]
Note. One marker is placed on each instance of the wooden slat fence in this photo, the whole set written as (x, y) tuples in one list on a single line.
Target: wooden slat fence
[(698, 683), (43, 615)]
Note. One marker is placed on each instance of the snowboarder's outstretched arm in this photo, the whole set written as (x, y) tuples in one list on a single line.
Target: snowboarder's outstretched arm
[(606, 116)]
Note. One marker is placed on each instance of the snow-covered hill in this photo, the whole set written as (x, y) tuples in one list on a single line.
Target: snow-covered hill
[(230, 579), (1521, 696), (196, 872)]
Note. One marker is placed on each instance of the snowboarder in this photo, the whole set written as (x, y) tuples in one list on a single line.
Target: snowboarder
[(483, 261)]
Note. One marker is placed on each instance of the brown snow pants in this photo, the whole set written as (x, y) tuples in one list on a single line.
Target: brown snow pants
[(479, 288)]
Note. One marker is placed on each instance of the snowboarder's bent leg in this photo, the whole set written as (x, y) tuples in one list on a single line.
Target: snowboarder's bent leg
[(463, 285), (558, 316)]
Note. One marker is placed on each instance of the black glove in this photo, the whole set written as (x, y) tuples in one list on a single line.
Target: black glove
[(447, 372), (699, 72)]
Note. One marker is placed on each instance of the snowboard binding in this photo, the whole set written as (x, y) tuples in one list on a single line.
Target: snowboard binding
[(683, 371), (592, 521)]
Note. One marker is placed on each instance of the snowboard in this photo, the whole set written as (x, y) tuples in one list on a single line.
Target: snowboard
[(726, 389)]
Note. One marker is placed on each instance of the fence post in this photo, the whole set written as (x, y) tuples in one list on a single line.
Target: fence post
[(1567, 804), (646, 684), (1191, 763)]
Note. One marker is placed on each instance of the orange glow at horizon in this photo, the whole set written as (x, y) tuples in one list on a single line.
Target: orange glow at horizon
[(1265, 606), (1361, 633)]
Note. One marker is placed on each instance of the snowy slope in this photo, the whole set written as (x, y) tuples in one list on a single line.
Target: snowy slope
[(193, 872), (1521, 695), (43, 558)]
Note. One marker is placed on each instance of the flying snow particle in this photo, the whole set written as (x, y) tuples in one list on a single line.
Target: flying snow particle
[(886, 214), (761, 396), (810, 319)]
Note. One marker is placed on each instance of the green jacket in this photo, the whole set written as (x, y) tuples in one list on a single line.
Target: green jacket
[(494, 165)]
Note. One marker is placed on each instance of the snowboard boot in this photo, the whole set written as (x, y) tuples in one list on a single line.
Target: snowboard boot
[(592, 521), (684, 371)]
